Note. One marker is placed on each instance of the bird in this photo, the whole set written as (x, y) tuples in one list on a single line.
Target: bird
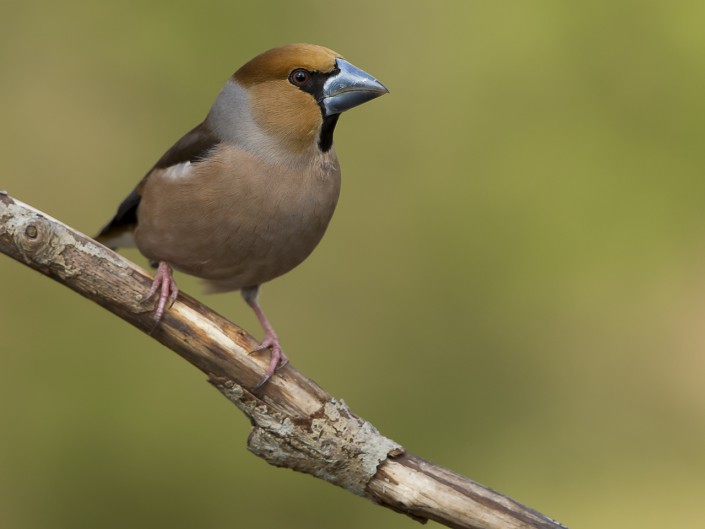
[(247, 194)]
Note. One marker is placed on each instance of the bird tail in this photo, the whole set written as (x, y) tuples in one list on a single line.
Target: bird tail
[(118, 233)]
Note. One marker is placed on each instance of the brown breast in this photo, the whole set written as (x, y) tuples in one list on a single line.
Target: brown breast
[(236, 220)]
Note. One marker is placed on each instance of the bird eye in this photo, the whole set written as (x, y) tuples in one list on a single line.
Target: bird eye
[(299, 77)]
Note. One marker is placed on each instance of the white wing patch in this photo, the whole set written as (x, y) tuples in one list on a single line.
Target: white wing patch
[(179, 171)]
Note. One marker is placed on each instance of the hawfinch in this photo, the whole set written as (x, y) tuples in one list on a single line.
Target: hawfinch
[(247, 195)]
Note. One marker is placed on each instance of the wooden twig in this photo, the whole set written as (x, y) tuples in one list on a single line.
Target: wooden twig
[(296, 424)]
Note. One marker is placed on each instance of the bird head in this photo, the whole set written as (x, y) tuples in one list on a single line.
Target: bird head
[(294, 94)]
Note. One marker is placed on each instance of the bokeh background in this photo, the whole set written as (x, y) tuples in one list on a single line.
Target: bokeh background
[(513, 285)]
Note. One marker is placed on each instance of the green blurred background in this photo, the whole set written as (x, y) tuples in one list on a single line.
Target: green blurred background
[(513, 285)]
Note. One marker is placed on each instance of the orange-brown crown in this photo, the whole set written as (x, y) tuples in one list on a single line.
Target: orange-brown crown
[(277, 63)]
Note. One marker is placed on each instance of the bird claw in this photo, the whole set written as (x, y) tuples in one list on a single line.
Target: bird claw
[(277, 360), (166, 286)]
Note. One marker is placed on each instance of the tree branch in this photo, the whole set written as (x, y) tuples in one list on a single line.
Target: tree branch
[(296, 424)]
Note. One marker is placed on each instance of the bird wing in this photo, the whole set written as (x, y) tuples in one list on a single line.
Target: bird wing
[(192, 147)]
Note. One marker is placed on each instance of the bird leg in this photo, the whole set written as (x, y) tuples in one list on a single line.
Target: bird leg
[(165, 284), (270, 341)]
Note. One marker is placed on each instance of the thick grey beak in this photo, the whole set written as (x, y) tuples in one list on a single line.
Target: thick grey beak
[(348, 88)]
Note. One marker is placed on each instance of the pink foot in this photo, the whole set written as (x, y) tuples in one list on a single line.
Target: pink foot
[(165, 284), (277, 360), (271, 341)]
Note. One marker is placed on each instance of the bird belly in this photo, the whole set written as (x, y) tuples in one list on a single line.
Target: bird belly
[(250, 254)]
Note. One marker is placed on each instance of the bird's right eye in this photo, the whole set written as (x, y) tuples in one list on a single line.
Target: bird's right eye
[(299, 77)]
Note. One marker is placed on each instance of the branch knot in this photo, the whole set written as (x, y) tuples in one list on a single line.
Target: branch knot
[(36, 239)]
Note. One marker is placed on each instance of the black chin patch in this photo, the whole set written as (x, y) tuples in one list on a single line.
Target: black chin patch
[(325, 140)]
